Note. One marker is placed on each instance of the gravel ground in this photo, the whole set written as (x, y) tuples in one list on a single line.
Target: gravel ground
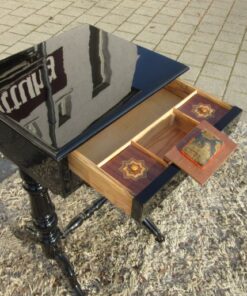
[(205, 251)]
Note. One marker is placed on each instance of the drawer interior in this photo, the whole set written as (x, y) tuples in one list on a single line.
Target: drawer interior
[(147, 132), (167, 133), (109, 140)]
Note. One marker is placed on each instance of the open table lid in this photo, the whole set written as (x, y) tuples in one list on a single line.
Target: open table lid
[(201, 152)]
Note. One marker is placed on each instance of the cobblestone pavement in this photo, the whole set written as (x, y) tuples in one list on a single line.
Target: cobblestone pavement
[(208, 35)]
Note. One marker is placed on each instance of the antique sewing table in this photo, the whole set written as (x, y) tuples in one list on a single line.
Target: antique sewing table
[(86, 106)]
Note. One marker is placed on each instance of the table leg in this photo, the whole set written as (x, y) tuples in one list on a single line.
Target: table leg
[(44, 219), (152, 228)]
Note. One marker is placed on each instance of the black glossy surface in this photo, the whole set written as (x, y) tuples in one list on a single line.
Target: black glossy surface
[(63, 91)]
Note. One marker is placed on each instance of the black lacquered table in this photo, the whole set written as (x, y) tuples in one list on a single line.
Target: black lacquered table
[(57, 95)]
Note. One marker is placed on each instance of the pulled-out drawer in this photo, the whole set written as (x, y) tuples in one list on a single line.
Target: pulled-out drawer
[(129, 161)]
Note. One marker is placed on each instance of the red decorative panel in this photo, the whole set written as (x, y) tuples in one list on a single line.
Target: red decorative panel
[(201, 108), (134, 169)]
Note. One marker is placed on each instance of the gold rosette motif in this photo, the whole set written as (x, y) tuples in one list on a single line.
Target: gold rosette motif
[(133, 169), (203, 110)]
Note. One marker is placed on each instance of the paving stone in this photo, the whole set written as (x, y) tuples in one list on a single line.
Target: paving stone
[(164, 19), (177, 37), (236, 19), (183, 28), (177, 4), (88, 19), (19, 46), (200, 3), (221, 58), (226, 47), (4, 11), (192, 74), (36, 37), (22, 29), (238, 83), (114, 19), (124, 35), (106, 27), (171, 11), (170, 47), (83, 4), (3, 48), (222, 4), (130, 28), (139, 19), (4, 55), (234, 28), (70, 26), (192, 59), (10, 20), (61, 19), (10, 4), (204, 37), (209, 28), (212, 85), (242, 57), (144, 44), (9, 39), (34, 4), (168, 55), (107, 4), (240, 69), (244, 45), (126, 11), (154, 3), (60, 4), (216, 71), (73, 11), (198, 47), (97, 11), (218, 11), (213, 20), (130, 3), (146, 11), (157, 28), (48, 11), (149, 37), (23, 11), (230, 37), (243, 116), (198, 12), (236, 98), (189, 19), (3, 28), (238, 12), (50, 28), (35, 19)]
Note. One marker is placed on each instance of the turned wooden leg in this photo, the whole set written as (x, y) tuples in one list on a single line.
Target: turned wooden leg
[(44, 219)]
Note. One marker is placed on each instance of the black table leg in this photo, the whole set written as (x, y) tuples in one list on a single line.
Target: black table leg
[(44, 219), (153, 229), (86, 214)]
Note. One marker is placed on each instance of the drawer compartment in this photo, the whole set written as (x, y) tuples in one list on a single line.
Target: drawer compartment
[(127, 161), (162, 137)]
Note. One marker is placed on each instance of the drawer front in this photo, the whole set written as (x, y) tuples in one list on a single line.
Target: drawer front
[(99, 180), (127, 162)]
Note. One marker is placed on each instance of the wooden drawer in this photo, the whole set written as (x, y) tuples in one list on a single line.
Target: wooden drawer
[(126, 162)]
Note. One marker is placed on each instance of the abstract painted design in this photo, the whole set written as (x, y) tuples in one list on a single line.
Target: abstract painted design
[(133, 169), (203, 110), (202, 147)]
